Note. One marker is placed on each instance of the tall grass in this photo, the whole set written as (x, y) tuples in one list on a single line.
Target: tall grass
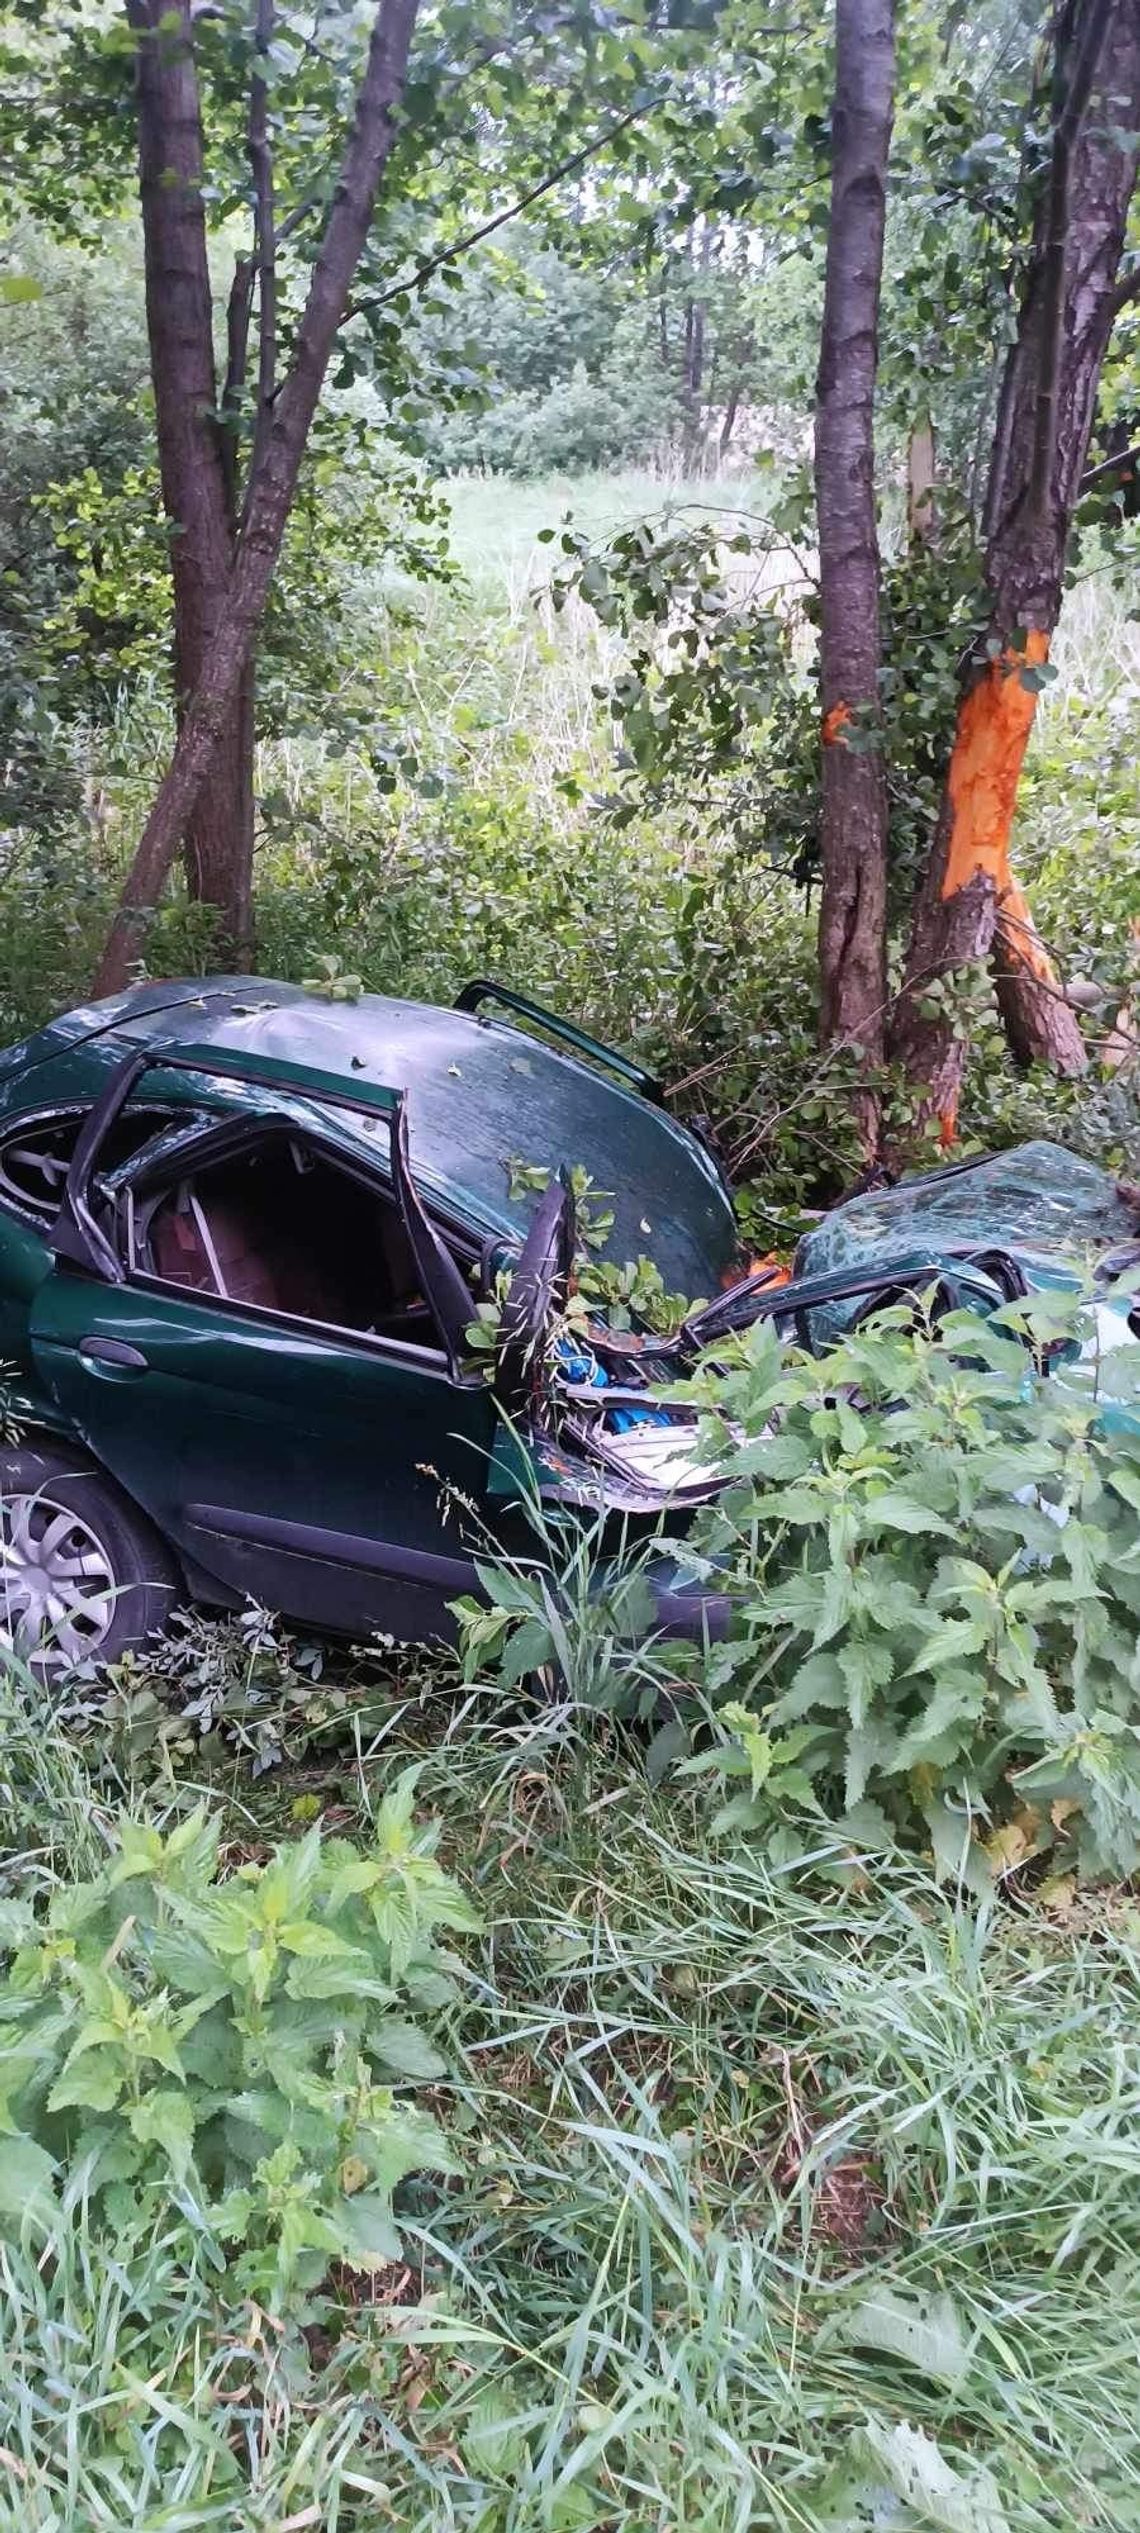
[(793, 2197), (763, 2155), (51, 1807)]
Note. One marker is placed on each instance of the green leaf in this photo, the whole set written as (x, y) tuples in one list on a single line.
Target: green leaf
[(92, 2082), (903, 1512), (313, 1942), (369, 2239), (869, 1748), (959, 1697), (403, 2050), (867, 1663), (819, 1682), (17, 1924), (26, 2179), (950, 1641), (923, 2331), (777, 1456), (16, 288), (669, 1744), (919, 2478), (350, 1976), (165, 2118), (180, 1960), (1125, 1482)]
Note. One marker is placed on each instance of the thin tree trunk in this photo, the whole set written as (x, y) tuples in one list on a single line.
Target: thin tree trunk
[(220, 835), (970, 907), (853, 828), (193, 453), (728, 425), (920, 482), (271, 494)]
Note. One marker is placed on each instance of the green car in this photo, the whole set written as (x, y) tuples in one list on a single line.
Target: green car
[(244, 1231)]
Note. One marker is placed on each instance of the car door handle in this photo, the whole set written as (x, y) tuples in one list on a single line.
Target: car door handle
[(110, 1354)]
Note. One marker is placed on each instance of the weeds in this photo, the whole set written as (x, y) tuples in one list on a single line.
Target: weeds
[(785, 2191)]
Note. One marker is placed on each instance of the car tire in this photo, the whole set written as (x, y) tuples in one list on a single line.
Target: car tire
[(84, 1577)]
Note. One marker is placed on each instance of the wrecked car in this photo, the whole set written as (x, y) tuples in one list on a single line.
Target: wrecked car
[(245, 1233)]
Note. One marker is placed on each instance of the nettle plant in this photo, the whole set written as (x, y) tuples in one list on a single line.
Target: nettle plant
[(237, 2045), (934, 1553)]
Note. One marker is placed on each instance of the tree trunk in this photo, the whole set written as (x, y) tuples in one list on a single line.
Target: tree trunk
[(920, 482), (728, 425), (219, 835), (970, 906), (197, 488), (853, 828), (271, 492)]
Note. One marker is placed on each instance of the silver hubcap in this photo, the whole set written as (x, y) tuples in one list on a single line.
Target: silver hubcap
[(57, 1588)]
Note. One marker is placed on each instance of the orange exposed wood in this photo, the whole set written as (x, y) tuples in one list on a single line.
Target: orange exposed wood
[(994, 722), (834, 722), (771, 1265), (1021, 942)]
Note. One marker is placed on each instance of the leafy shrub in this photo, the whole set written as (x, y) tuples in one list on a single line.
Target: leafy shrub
[(231, 2043), (936, 1569), (934, 1561)]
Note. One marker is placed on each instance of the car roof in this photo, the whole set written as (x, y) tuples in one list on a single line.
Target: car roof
[(1037, 1199), (481, 1095)]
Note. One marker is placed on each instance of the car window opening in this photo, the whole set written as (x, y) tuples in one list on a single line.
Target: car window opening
[(286, 1231), (36, 1153)]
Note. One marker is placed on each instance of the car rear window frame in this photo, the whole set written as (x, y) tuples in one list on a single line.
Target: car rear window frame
[(31, 1122)]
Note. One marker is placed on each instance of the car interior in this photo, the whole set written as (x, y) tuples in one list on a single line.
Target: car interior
[(282, 1229), (277, 1227), (36, 1152)]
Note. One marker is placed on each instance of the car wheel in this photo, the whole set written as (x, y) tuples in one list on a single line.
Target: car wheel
[(83, 1576)]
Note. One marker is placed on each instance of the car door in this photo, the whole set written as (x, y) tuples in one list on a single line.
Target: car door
[(338, 1475)]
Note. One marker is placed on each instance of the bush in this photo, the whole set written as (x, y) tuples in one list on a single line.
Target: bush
[(229, 2045), (936, 1570)]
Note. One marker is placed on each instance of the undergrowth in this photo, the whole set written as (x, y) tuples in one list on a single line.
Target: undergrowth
[(790, 2197), (454, 822)]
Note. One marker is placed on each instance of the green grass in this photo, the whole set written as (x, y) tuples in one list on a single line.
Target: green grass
[(767, 2175), (495, 523)]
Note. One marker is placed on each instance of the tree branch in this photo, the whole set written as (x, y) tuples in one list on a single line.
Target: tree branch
[(238, 307), (1071, 97), (1122, 464), (1127, 289), (475, 237), (264, 240)]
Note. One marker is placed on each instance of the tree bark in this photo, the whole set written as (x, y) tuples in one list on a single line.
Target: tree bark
[(969, 906), (230, 648), (853, 827), (196, 478)]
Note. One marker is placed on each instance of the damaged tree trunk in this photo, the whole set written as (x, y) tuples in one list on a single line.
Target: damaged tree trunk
[(279, 446), (194, 463), (970, 907), (853, 827)]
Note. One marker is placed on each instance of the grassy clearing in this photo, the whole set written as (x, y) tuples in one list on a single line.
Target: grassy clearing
[(495, 522), (791, 2198)]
